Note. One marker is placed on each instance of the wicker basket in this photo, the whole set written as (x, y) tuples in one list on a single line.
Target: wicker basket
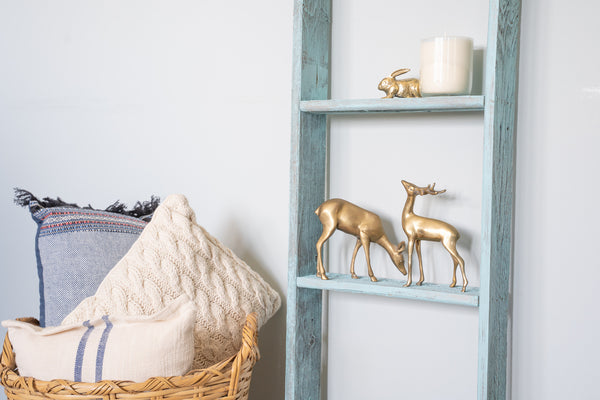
[(229, 379)]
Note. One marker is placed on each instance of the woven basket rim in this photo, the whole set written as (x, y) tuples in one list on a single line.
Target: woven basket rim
[(243, 360)]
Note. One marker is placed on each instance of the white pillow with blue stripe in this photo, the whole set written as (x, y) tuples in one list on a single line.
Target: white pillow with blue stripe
[(108, 348)]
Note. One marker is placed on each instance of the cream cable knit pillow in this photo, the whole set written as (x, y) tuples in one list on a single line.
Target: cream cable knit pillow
[(175, 255)]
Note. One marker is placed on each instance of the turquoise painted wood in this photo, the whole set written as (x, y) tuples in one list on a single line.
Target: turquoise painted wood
[(392, 288), (423, 104), (311, 105), (312, 27), (497, 196)]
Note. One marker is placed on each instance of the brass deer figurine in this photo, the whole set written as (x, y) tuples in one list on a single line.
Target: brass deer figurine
[(366, 226), (420, 228)]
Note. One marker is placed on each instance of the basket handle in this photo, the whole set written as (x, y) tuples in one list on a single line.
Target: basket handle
[(7, 359), (249, 350)]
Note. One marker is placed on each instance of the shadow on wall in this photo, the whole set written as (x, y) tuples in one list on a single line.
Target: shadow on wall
[(478, 68), (268, 376)]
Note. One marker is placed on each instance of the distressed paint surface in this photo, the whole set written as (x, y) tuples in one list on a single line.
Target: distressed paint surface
[(312, 27), (392, 288), (423, 104), (497, 196)]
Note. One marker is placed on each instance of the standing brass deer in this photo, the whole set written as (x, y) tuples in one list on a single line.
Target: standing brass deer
[(420, 228), (366, 226)]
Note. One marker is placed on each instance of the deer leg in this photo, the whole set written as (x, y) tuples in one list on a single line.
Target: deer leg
[(455, 261), (461, 262), (451, 247), (327, 232), (366, 244), (358, 244), (411, 244), (421, 275)]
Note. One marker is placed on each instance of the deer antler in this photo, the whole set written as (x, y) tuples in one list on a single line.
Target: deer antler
[(429, 190)]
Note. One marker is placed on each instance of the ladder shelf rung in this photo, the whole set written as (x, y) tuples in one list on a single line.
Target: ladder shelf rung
[(396, 105), (392, 288)]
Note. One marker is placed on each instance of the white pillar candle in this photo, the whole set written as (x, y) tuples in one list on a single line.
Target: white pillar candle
[(446, 66)]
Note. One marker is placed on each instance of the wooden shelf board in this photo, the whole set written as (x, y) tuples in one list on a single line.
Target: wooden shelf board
[(419, 104), (392, 288)]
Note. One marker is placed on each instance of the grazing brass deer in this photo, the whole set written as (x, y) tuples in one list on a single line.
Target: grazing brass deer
[(366, 226), (420, 228)]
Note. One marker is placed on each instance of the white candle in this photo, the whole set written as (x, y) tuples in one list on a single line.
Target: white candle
[(446, 66)]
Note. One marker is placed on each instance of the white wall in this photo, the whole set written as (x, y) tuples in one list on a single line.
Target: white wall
[(107, 100), (556, 318), (120, 100)]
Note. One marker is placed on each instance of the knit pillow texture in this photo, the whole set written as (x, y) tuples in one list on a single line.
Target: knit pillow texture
[(108, 348), (173, 256), (76, 247)]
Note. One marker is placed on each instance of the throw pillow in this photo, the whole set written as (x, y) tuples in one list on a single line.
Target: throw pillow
[(76, 247), (175, 255), (108, 348)]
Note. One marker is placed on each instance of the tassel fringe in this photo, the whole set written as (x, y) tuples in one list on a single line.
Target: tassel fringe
[(25, 198)]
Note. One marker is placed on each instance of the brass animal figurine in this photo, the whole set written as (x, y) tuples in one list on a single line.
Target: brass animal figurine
[(365, 225), (400, 88), (420, 228)]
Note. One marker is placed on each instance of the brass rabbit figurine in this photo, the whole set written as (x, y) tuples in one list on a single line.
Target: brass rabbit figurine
[(400, 88)]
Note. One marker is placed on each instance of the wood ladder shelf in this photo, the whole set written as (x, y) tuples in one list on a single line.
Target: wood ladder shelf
[(391, 288), (311, 107), (420, 104)]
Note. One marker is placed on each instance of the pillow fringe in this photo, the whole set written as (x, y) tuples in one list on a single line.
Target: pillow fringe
[(25, 198), (140, 209)]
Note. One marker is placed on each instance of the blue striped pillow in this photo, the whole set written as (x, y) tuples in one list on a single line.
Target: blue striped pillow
[(76, 247), (101, 348), (108, 348)]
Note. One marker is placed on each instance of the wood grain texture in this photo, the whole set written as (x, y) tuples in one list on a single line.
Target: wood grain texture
[(392, 288), (497, 196), (423, 104), (312, 27)]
